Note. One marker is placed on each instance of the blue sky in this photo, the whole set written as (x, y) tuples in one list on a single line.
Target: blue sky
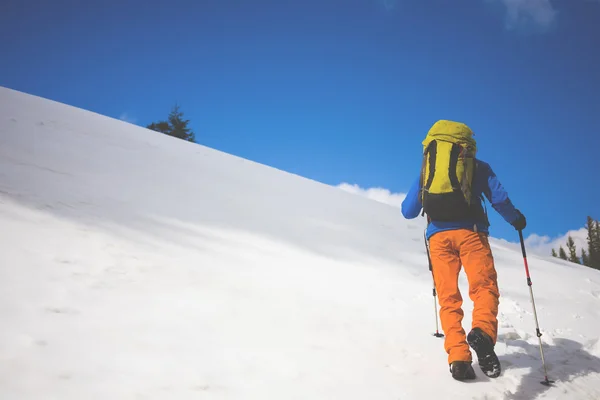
[(340, 90)]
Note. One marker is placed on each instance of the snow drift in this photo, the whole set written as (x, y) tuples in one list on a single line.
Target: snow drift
[(139, 266)]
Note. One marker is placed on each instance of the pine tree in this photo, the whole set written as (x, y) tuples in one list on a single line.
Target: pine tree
[(572, 250), (585, 260), (561, 253), (596, 244), (590, 239), (161, 126), (554, 253), (593, 239), (179, 126), (176, 126)]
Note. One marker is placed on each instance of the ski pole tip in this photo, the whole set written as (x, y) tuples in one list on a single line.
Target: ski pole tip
[(547, 382)]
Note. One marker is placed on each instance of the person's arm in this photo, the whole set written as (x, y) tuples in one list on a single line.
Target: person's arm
[(499, 199), (411, 205)]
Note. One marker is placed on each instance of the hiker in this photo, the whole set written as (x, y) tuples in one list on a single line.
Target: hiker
[(450, 191)]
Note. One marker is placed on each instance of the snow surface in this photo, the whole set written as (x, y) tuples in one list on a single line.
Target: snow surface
[(138, 266)]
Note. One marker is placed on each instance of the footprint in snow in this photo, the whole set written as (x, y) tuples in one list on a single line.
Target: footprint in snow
[(567, 361), (504, 321), (62, 310), (593, 347), (511, 335)]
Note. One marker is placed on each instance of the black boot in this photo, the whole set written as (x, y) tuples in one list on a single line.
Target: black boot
[(462, 370), (483, 346)]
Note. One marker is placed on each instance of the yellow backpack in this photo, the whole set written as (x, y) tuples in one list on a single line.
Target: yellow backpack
[(447, 172)]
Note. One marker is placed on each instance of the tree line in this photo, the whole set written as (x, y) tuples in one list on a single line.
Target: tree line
[(589, 257)]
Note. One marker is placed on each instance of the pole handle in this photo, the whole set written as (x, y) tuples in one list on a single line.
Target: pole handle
[(525, 257), (522, 243)]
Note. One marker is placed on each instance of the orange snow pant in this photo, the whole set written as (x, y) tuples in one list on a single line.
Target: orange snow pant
[(448, 250)]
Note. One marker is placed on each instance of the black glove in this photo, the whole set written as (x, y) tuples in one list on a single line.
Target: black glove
[(520, 223)]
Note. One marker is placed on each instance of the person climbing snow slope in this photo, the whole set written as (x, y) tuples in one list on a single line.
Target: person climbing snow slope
[(450, 191)]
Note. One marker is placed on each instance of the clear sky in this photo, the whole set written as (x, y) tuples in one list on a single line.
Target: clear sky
[(340, 90)]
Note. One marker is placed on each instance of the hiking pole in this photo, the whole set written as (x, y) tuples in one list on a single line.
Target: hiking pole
[(437, 332), (537, 326)]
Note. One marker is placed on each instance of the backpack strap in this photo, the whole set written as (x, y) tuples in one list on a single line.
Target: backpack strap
[(424, 186), (454, 154), (431, 149), (465, 184)]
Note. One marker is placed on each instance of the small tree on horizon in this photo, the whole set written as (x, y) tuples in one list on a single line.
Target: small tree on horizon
[(593, 239), (562, 254), (585, 260), (176, 126), (572, 250), (161, 126), (179, 126)]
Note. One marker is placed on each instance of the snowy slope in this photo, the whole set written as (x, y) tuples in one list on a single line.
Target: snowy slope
[(138, 266)]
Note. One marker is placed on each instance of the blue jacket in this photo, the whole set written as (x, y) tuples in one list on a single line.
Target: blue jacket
[(486, 184)]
